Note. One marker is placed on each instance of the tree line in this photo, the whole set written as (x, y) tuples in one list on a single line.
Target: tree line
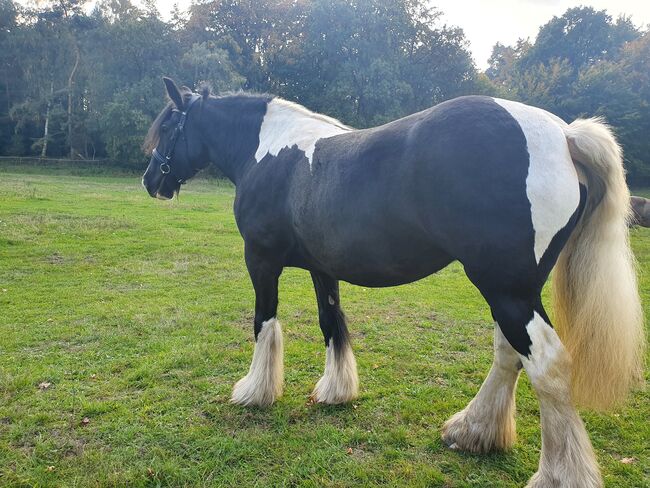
[(87, 84)]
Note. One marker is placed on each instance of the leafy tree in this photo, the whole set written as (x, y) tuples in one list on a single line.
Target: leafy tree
[(252, 31), (73, 83), (126, 55), (210, 64), (620, 90), (583, 36), (45, 57), (123, 127), (503, 62), (369, 61), (582, 64), (10, 32)]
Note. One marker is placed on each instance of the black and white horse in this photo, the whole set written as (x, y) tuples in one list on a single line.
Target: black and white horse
[(506, 189)]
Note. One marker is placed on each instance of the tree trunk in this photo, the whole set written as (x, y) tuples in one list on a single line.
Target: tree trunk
[(7, 91), (47, 121), (70, 85)]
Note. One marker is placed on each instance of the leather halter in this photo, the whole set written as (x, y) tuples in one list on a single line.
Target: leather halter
[(165, 161)]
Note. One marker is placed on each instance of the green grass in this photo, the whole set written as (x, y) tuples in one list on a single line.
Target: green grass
[(139, 315)]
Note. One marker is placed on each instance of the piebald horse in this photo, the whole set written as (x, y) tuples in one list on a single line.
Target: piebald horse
[(508, 190)]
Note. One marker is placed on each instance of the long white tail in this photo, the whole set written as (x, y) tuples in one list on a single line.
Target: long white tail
[(598, 313)]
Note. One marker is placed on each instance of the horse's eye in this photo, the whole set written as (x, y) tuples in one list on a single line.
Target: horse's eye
[(164, 127)]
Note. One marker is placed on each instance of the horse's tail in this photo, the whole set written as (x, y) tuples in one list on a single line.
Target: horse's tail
[(598, 313)]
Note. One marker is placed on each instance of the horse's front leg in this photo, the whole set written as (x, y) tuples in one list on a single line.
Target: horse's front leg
[(339, 383), (263, 383)]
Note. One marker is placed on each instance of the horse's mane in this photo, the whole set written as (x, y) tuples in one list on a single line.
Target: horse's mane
[(153, 135)]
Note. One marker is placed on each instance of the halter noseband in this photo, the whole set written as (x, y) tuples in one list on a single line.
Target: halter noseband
[(165, 168)]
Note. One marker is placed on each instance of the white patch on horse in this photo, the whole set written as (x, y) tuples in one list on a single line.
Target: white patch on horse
[(552, 182), (287, 124), (340, 382), (263, 383), (545, 349)]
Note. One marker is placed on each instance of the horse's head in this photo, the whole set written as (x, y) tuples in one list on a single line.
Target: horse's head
[(177, 151)]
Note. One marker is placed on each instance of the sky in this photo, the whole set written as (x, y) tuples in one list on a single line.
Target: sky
[(487, 22)]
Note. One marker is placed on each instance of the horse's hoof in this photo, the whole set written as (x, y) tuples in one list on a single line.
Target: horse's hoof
[(327, 394), (467, 433), (569, 479), (248, 393), (340, 383)]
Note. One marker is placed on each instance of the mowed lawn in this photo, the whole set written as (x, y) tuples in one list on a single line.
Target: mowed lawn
[(125, 321)]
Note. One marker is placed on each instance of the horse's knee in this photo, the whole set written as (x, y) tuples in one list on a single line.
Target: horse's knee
[(529, 331)]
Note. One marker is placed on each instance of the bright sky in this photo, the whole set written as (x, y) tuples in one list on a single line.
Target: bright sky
[(487, 22)]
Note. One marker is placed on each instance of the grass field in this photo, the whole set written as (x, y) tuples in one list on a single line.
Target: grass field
[(125, 321)]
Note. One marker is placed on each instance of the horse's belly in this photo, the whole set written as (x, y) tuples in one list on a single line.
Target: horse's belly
[(375, 278), (380, 260)]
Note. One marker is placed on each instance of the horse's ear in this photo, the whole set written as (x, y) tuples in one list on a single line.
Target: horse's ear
[(205, 91), (174, 94)]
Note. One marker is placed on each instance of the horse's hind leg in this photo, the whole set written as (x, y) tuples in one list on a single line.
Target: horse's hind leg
[(339, 383), (567, 458), (263, 383), (488, 421)]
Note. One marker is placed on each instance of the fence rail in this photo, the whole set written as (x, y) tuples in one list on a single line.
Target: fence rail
[(37, 160)]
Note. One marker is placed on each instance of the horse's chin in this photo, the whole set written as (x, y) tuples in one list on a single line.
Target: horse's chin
[(167, 191), (160, 196), (165, 195)]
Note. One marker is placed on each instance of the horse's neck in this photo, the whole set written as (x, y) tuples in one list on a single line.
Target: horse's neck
[(287, 124)]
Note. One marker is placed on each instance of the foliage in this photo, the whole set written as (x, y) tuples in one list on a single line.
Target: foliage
[(136, 315), (124, 126), (585, 64), (371, 61), (387, 60), (210, 64), (583, 36), (94, 78), (619, 89)]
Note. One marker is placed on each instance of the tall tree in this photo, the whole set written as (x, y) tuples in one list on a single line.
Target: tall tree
[(9, 34), (368, 61), (620, 90), (585, 63), (583, 36)]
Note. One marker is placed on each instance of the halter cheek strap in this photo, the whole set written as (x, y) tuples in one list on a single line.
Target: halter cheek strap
[(165, 167)]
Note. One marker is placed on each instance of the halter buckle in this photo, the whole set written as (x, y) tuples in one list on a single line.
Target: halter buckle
[(165, 168)]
